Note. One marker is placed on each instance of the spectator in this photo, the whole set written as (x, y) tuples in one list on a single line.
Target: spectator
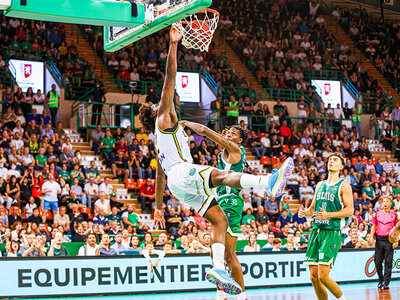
[(248, 217), (34, 218), (261, 216), (283, 218), (252, 246), (90, 248), (102, 203), (305, 192), (277, 244), (130, 218), (255, 145), (118, 247), (96, 137), (173, 219), (15, 216), (52, 100), (91, 193), (56, 249), (271, 208), (62, 219), (107, 145), (104, 248), (50, 189), (134, 244), (354, 243), (31, 247), (147, 193), (119, 166)]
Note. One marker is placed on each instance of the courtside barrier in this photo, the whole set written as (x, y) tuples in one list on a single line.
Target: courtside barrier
[(72, 276)]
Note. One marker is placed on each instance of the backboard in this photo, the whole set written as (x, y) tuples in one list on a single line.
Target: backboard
[(93, 12), (157, 17)]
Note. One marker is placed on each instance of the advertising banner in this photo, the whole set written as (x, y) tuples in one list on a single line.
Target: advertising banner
[(28, 277), (28, 74), (187, 86), (329, 91)]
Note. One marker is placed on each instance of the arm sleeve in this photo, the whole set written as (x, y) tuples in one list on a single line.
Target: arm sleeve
[(146, 254), (160, 253)]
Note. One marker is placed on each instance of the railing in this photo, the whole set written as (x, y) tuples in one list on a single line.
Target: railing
[(111, 116), (264, 126), (337, 3), (370, 100), (310, 74), (201, 115), (286, 95), (54, 71), (209, 80), (351, 88), (76, 88), (227, 91)]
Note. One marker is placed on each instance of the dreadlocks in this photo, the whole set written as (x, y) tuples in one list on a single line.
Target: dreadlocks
[(148, 122)]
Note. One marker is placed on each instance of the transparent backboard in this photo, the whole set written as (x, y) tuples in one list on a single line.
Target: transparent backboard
[(157, 17)]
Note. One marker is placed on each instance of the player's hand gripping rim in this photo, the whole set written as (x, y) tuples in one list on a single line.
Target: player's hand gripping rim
[(159, 218)]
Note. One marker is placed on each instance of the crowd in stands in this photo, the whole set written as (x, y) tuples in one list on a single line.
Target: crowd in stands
[(289, 38), (376, 37), (49, 197)]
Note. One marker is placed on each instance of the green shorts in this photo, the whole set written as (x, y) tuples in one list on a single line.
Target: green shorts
[(323, 247), (232, 206)]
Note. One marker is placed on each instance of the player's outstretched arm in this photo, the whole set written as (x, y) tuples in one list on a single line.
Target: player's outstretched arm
[(168, 91), (160, 187), (348, 205), (212, 135)]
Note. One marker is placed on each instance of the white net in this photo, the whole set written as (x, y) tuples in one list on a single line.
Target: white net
[(198, 29)]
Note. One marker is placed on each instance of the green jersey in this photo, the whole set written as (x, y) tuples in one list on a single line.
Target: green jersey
[(238, 167), (229, 198), (108, 142), (327, 197)]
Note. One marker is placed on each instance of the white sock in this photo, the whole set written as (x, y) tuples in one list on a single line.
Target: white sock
[(221, 295), (257, 181), (218, 251), (242, 296), (342, 298)]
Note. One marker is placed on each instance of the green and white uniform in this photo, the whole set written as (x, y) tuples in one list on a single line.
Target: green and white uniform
[(326, 238), (229, 198)]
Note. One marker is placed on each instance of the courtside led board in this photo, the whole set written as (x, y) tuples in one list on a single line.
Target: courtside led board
[(156, 18)]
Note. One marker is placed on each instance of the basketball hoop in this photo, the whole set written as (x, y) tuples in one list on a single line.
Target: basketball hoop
[(198, 29)]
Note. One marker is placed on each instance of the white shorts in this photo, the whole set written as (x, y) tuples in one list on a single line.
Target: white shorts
[(190, 184)]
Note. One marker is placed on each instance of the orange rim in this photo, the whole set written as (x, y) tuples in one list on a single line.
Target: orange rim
[(216, 15)]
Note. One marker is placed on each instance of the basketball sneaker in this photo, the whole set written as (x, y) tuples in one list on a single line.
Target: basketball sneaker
[(278, 177), (222, 280)]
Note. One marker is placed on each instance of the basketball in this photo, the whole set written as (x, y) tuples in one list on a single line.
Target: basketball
[(200, 32)]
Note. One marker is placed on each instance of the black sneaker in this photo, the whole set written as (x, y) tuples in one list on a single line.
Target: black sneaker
[(385, 286), (380, 285)]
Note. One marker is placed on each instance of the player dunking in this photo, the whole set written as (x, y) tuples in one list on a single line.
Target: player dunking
[(233, 157), (332, 204), (194, 184)]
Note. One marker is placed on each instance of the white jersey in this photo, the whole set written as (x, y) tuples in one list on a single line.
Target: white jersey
[(172, 147)]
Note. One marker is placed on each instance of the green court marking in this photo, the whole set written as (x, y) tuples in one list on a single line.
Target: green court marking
[(93, 12), (127, 36)]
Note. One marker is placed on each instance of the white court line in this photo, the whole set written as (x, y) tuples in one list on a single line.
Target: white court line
[(249, 293)]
